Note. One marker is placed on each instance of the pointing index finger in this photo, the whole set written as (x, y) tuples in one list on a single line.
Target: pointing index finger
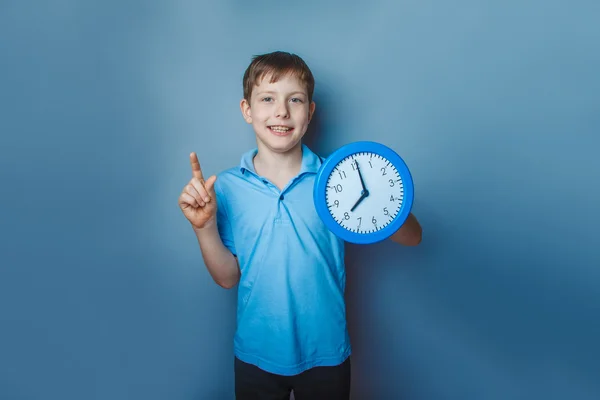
[(196, 171)]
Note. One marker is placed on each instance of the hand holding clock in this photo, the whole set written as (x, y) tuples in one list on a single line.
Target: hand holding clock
[(389, 205)]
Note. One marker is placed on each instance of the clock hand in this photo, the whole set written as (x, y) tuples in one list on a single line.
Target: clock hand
[(364, 194), (362, 182)]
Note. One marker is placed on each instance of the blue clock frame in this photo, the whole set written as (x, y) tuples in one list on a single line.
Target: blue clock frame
[(320, 188)]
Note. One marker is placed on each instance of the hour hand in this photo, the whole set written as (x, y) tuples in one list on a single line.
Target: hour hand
[(364, 194)]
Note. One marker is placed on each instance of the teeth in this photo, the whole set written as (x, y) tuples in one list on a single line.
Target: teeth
[(280, 128)]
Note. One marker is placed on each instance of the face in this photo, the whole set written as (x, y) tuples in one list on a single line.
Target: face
[(279, 112)]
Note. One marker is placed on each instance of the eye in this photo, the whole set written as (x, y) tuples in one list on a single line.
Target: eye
[(296, 100), (267, 99)]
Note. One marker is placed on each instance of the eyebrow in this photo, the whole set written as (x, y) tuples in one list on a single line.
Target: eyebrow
[(272, 92)]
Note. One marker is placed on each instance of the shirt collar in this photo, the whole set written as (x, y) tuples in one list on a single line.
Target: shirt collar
[(310, 161)]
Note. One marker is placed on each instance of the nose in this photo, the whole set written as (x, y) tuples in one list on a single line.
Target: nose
[(281, 111)]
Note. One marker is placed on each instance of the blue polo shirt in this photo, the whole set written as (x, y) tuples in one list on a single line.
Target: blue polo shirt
[(291, 312)]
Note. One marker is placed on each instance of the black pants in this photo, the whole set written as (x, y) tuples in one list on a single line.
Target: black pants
[(330, 383)]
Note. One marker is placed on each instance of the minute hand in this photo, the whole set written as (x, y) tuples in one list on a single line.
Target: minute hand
[(364, 193), (362, 182)]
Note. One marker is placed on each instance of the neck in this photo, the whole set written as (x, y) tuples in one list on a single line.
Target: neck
[(269, 163)]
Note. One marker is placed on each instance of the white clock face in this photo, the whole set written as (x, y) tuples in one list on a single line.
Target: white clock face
[(368, 208)]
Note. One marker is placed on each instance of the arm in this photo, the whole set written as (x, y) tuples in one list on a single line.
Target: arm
[(410, 233), (222, 265), (198, 201)]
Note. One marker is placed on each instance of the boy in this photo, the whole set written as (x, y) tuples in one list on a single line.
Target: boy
[(257, 227)]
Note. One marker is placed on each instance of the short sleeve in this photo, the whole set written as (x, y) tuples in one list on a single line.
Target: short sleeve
[(223, 222)]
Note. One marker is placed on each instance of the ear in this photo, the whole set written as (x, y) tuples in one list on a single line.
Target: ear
[(246, 112), (311, 110)]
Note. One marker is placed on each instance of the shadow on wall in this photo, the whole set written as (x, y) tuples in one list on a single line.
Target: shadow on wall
[(321, 136), (314, 133), (456, 318), (376, 369)]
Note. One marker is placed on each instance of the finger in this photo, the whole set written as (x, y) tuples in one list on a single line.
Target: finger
[(193, 191), (188, 200), (199, 186), (210, 186), (196, 170), (185, 200)]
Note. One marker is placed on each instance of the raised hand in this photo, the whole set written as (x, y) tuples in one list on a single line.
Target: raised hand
[(198, 200)]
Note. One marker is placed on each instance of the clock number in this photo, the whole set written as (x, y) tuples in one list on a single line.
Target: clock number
[(359, 221), (383, 171), (374, 221), (342, 174), (354, 165), (385, 211), (392, 198), (346, 216), (371, 165), (337, 203), (338, 188), (391, 182)]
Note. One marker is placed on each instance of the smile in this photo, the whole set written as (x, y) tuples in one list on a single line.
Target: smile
[(280, 130)]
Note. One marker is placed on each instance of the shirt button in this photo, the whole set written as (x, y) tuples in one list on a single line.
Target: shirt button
[(281, 197)]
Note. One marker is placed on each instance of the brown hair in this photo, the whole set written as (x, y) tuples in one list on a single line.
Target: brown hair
[(277, 64)]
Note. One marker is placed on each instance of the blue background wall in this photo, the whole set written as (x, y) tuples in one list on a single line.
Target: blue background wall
[(494, 106)]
